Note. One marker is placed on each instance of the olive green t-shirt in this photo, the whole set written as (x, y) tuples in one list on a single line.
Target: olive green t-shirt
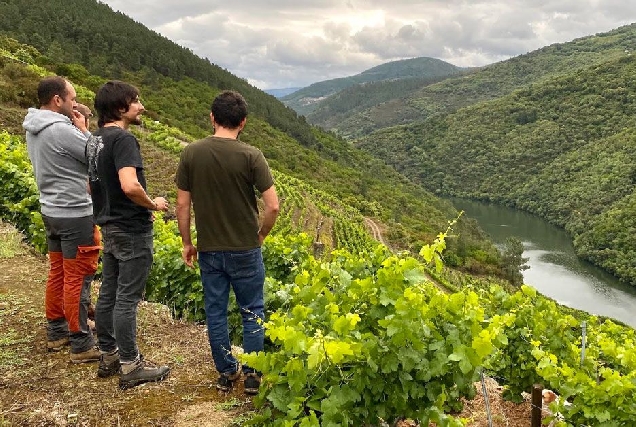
[(221, 175)]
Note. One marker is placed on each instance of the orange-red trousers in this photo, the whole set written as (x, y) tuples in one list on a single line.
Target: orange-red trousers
[(67, 277)]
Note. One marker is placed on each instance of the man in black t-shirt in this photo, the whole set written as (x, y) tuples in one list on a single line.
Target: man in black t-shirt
[(122, 208)]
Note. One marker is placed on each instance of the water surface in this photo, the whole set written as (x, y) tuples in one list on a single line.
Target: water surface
[(555, 270)]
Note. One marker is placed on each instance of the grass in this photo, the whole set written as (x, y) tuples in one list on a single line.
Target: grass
[(11, 243), (12, 342)]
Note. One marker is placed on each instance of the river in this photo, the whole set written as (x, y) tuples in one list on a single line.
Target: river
[(555, 270)]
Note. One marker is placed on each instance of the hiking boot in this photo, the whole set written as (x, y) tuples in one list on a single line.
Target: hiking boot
[(57, 345), (108, 364), (252, 383), (139, 372), (91, 355), (226, 381)]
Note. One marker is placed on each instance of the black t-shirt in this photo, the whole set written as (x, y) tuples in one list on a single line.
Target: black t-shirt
[(109, 150)]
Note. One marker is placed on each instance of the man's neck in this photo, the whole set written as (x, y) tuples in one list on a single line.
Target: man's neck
[(221, 132), (51, 108), (117, 123)]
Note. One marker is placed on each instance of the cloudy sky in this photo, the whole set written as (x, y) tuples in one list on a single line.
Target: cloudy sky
[(293, 43)]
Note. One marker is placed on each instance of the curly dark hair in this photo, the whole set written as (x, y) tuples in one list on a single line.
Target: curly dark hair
[(229, 109)]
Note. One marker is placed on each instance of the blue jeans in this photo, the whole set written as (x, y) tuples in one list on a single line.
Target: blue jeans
[(126, 262), (245, 272)]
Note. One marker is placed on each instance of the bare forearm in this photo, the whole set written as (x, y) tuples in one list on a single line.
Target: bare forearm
[(138, 195), (183, 221), (184, 204), (270, 212), (134, 191), (268, 221)]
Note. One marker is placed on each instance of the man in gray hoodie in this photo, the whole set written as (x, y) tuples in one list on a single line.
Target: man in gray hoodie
[(56, 136)]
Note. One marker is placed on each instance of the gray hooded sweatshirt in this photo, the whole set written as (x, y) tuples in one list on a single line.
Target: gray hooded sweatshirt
[(56, 149)]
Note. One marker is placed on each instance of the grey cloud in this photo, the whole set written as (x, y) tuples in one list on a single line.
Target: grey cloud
[(510, 26), (619, 9), (290, 43), (406, 41), (336, 32), (315, 51)]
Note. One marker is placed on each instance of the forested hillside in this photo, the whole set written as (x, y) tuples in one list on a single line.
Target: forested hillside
[(306, 100), (487, 83), (364, 334), (345, 105), (180, 97), (563, 149), (110, 44)]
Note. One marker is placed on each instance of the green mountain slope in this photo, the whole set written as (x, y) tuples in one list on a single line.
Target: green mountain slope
[(345, 105), (487, 83), (409, 214), (563, 149), (306, 100), (110, 44)]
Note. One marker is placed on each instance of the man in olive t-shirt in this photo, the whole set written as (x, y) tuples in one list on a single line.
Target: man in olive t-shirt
[(218, 176)]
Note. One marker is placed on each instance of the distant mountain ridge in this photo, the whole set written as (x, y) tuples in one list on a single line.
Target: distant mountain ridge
[(333, 112), (473, 86), (279, 93), (305, 100)]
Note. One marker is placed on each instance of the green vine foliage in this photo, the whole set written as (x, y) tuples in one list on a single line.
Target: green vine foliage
[(171, 282), (356, 338), (536, 319), (363, 339), (597, 391), (545, 346), (20, 204), (284, 255)]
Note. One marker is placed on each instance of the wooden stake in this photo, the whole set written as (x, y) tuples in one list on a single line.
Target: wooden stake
[(537, 404)]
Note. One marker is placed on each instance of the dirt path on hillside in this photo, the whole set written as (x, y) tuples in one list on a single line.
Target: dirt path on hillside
[(44, 389), (375, 230)]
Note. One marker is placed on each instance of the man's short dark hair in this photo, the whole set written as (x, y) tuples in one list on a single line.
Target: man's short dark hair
[(49, 87), (113, 98), (229, 109)]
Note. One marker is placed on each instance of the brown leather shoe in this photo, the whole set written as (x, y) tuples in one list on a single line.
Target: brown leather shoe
[(57, 345), (139, 372), (108, 364), (91, 355)]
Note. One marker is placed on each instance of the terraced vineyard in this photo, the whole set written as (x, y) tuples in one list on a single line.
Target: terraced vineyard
[(331, 223)]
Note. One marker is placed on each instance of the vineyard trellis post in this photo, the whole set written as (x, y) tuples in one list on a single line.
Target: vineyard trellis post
[(537, 404)]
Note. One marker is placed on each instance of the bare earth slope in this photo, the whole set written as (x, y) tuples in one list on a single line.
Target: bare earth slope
[(44, 389)]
